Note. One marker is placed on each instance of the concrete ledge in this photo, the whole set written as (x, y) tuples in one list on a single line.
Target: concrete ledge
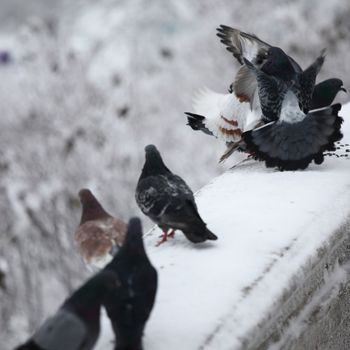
[(277, 278), (313, 312)]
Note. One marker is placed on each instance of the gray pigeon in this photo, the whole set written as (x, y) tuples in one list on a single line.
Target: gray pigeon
[(130, 306), (76, 325), (168, 201), (292, 137)]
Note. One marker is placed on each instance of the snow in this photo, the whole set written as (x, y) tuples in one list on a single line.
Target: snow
[(269, 224)]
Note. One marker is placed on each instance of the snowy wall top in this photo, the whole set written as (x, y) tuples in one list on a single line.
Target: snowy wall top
[(269, 224)]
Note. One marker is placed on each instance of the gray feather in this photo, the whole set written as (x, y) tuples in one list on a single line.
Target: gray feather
[(64, 330)]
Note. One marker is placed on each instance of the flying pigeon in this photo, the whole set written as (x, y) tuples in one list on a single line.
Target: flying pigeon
[(292, 137), (325, 92), (99, 235), (130, 306), (250, 47), (76, 324), (168, 201), (226, 116)]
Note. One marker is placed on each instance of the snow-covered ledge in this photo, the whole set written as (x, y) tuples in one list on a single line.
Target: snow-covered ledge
[(277, 276)]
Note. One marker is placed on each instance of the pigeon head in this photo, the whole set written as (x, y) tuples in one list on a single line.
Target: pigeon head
[(133, 245), (334, 85), (92, 209), (154, 164), (86, 300), (325, 92), (278, 64)]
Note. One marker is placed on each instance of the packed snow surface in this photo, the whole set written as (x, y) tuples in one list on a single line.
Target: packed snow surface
[(268, 223)]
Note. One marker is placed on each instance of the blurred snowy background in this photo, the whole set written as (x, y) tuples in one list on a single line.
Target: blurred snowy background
[(85, 85)]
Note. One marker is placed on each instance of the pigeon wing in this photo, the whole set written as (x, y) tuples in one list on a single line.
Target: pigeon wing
[(307, 80), (157, 195), (242, 45), (271, 93)]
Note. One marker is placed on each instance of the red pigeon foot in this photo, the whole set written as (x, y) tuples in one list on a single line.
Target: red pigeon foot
[(164, 237), (171, 234)]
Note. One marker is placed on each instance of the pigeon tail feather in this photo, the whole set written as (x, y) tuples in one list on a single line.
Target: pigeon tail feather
[(293, 146), (197, 122), (197, 236)]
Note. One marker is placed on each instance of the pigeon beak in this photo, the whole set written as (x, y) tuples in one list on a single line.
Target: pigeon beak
[(343, 89)]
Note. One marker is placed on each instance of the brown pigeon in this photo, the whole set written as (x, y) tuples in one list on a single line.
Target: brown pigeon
[(99, 235)]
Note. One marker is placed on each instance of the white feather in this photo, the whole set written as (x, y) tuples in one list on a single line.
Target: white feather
[(250, 48), (290, 111), (215, 107)]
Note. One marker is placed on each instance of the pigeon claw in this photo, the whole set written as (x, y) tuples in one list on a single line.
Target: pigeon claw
[(164, 237), (171, 234)]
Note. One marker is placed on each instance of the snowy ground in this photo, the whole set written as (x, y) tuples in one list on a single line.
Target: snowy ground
[(269, 224)]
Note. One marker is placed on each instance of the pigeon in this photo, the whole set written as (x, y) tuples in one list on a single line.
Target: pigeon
[(227, 116), (99, 235), (292, 137), (76, 324), (249, 46), (168, 201), (130, 306), (325, 92)]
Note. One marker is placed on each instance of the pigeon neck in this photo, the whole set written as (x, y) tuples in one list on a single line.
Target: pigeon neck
[(92, 210), (133, 245), (154, 165)]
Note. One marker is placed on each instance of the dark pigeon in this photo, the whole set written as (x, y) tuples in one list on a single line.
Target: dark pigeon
[(325, 92), (129, 308), (76, 325), (99, 235), (168, 201), (291, 138)]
